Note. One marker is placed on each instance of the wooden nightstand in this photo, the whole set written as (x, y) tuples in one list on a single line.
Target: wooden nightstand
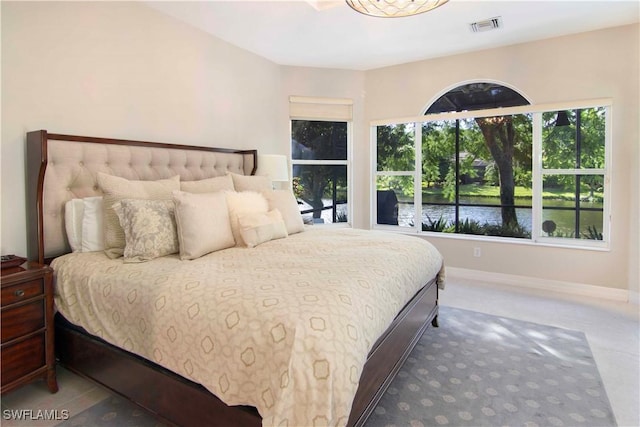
[(27, 349)]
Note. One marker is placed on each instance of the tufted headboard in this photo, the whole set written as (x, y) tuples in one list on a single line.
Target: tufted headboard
[(64, 167)]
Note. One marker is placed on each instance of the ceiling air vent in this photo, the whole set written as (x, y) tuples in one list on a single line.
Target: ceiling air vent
[(486, 25)]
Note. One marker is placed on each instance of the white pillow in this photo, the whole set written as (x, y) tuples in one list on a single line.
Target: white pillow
[(203, 223), (73, 213), (83, 220), (285, 202), (243, 203), (257, 228), (92, 225)]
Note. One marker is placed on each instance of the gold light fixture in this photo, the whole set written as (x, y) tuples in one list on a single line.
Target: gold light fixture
[(394, 8)]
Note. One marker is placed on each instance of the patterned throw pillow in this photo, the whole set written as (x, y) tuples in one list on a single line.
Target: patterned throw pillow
[(149, 228), (116, 189)]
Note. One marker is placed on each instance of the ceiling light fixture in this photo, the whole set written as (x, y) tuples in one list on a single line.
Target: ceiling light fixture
[(394, 8)]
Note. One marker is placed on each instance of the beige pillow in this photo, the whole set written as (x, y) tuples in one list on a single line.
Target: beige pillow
[(251, 182), (203, 223), (149, 228), (285, 202), (208, 185), (243, 203), (257, 228), (116, 189)]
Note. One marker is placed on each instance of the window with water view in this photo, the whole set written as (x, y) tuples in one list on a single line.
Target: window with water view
[(477, 175)]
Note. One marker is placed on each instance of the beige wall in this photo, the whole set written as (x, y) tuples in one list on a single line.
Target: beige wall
[(123, 70), (601, 64)]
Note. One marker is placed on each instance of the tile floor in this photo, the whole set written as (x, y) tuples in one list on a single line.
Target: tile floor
[(612, 329)]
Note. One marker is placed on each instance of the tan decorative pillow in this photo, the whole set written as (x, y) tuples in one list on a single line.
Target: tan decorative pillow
[(243, 203), (251, 182), (208, 185), (257, 228), (285, 202), (149, 228), (203, 223), (116, 189)]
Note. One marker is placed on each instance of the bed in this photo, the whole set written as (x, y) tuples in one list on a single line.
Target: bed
[(317, 331)]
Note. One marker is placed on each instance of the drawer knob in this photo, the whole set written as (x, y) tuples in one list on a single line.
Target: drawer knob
[(19, 293)]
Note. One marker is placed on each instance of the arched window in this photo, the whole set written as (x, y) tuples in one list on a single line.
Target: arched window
[(477, 96), (482, 164)]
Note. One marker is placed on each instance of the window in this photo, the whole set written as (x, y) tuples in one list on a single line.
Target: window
[(526, 172), (320, 159), (573, 173), (476, 176)]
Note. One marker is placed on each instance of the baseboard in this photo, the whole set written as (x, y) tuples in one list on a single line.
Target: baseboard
[(634, 297), (580, 289)]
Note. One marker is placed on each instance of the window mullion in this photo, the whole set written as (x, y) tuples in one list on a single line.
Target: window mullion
[(536, 177), (373, 206), (321, 162), (606, 227), (417, 177), (395, 173), (573, 171)]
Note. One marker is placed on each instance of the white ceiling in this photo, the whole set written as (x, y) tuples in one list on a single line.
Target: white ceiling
[(329, 34)]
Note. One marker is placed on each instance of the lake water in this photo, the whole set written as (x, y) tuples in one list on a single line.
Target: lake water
[(564, 219)]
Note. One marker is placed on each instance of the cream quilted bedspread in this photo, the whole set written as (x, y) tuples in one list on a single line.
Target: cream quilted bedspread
[(285, 326)]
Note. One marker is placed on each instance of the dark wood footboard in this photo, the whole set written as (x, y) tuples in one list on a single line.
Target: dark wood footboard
[(178, 401), (391, 351), (170, 397)]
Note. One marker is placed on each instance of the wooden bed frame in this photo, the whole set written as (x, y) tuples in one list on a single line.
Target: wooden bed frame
[(172, 398)]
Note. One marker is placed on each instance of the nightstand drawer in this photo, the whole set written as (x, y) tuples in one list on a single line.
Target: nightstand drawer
[(22, 291), (22, 320), (22, 358), (26, 317)]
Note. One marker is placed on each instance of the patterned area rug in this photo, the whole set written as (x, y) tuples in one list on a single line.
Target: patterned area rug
[(474, 370), (482, 370)]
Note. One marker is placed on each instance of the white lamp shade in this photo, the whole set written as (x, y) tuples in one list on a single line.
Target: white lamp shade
[(274, 166)]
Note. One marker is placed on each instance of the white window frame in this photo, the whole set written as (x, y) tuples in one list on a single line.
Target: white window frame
[(326, 110), (537, 173)]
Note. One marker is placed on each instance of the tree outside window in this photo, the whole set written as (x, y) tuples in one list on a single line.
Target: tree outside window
[(320, 159), (477, 176), (573, 165)]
